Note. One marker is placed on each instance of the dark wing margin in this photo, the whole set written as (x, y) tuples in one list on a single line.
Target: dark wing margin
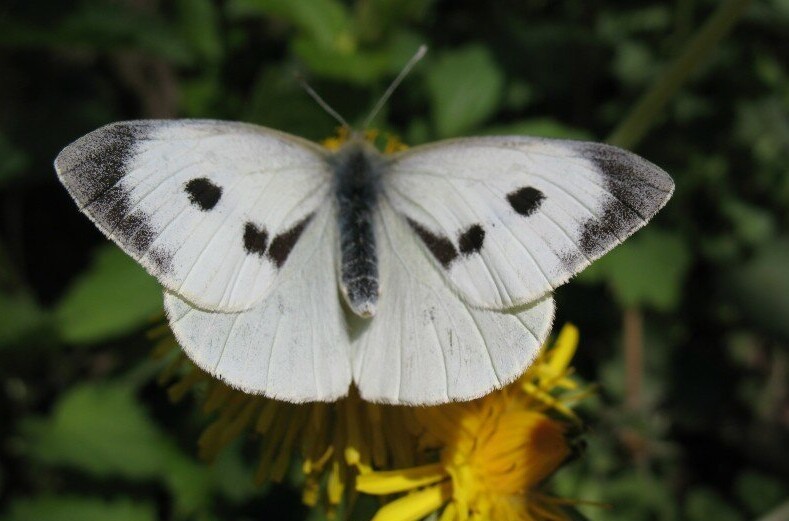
[(92, 168), (179, 196), (638, 188), (96, 162), (527, 213)]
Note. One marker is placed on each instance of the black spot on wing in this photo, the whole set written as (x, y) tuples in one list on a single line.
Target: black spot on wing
[(471, 240), (255, 239), (203, 193), (283, 243), (526, 200), (441, 247), (97, 162)]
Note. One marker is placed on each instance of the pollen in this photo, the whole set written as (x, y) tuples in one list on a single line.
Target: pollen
[(384, 141)]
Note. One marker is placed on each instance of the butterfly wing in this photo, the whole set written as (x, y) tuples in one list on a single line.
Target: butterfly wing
[(212, 209), (293, 345), (426, 345), (508, 219)]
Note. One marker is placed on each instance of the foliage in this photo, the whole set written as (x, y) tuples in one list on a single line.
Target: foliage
[(697, 431)]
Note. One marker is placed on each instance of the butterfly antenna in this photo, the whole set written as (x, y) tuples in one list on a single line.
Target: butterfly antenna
[(420, 53), (325, 106)]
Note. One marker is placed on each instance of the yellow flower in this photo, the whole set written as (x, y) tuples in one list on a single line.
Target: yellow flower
[(482, 459), (334, 441), (494, 451)]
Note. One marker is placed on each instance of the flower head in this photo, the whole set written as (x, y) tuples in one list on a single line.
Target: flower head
[(483, 459), (493, 452)]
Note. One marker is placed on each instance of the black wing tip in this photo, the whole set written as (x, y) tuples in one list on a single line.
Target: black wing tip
[(615, 161), (95, 140), (97, 161), (639, 189)]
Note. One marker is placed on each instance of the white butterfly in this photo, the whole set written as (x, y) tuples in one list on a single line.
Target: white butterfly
[(445, 255)]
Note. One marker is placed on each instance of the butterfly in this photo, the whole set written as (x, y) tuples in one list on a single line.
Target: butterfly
[(292, 271)]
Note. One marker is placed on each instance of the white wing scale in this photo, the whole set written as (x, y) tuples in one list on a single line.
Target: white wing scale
[(185, 198), (509, 219), (427, 346), (292, 346), (471, 234)]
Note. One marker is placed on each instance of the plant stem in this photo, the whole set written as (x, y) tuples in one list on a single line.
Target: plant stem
[(631, 131), (643, 114), (633, 339), (779, 513)]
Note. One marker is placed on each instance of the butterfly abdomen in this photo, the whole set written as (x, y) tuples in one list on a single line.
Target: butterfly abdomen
[(356, 170)]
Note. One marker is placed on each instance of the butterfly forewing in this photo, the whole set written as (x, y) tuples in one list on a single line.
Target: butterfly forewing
[(508, 219), (212, 209)]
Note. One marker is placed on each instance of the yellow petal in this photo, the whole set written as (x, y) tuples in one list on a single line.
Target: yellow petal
[(563, 349), (393, 481), (336, 485), (415, 506), (549, 401), (449, 513)]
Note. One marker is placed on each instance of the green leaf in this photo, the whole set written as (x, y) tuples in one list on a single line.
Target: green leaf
[(276, 103), (752, 224), (113, 297), (760, 492), (541, 127), (20, 316), (13, 160), (101, 28), (199, 24), (361, 67), (760, 287), (763, 127), (113, 26), (326, 22), (63, 508), (703, 504), (647, 270), (466, 88), (103, 430), (634, 64)]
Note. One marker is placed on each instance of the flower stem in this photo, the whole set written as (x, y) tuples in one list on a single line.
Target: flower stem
[(643, 114), (633, 334), (631, 131)]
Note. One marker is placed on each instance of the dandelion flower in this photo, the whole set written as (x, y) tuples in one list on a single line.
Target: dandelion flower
[(493, 452), (477, 460)]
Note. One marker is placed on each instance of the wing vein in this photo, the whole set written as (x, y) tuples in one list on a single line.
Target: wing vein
[(227, 339)]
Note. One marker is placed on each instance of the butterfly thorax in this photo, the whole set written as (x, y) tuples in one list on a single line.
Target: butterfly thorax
[(357, 168)]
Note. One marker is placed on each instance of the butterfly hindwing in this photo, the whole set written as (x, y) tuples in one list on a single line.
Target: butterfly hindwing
[(426, 345), (213, 209), (508, 219), (293, 345)]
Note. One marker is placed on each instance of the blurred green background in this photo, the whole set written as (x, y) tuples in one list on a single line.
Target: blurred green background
[(685, 327)]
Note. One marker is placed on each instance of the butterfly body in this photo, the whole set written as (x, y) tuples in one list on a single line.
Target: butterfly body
[(445, 255), (357, 168)]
